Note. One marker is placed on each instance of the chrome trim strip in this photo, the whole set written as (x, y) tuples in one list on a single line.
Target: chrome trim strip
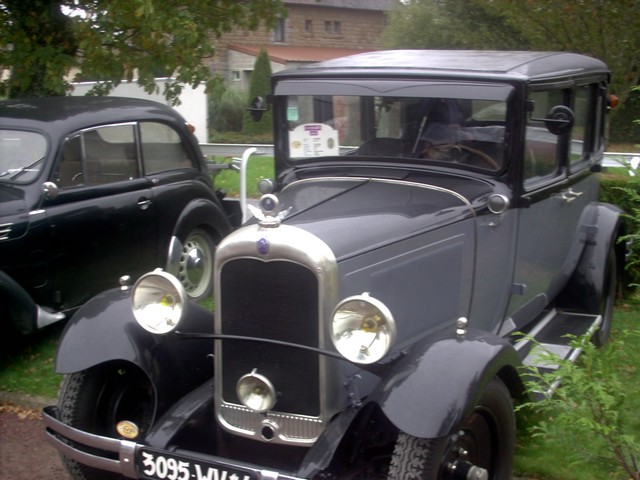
[(385, 180)]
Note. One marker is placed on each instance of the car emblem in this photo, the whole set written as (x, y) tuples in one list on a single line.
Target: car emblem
[(263, 246)]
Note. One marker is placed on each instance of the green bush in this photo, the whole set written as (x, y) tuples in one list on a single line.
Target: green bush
[(260, 86), (592, 415), (226, 109), (623, 190)]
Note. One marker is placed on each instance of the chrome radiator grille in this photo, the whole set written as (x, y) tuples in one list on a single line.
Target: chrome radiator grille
[(275, 300)]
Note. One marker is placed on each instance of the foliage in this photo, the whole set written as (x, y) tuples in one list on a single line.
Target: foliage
[(451, 24), (111, 41), (592, 27), (594, 408), (226, 109), (260, 86)]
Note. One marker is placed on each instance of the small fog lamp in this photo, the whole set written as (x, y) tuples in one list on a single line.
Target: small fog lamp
[(256, 392), (159, 302), (363, 329)]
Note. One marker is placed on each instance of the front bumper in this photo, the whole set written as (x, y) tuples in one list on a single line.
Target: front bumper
[(123, 456)]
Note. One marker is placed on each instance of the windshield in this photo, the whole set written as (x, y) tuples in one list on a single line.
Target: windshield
[(462, 131), (21, 155)]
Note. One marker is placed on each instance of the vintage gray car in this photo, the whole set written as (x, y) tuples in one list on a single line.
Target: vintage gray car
[(428, 206)]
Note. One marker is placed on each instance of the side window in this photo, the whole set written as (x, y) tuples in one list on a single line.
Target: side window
[(541, 155), (582, 131), (162, 148), (99, 156)]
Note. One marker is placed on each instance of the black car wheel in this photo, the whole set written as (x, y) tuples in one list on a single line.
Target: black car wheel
[(607, 299), (196, 264), (483, 445), (95, 400)]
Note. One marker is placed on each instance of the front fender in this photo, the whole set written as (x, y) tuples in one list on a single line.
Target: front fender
[(105, 330), (437, 384), (23, 311), (205, 214)]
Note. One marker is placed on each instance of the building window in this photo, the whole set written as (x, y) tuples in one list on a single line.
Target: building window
[(332, 27), (235, 76), (279, 31), (308, 26)]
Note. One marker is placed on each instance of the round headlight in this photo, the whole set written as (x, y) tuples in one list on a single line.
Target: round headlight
[(363, 329), (159, 301), (256, 392)]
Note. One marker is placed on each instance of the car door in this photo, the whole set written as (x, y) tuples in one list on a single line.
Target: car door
[(551, 226), (103, 220)]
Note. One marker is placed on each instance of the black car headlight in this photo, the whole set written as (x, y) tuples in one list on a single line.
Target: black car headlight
[(363, 329), (159, 302)]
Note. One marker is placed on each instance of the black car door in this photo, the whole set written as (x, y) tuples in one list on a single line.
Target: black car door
[(103, 220)]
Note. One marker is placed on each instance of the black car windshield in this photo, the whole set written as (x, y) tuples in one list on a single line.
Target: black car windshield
[(21, 155), (454, 126)]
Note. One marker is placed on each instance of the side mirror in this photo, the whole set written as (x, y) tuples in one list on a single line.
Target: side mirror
[(559, 119), (257, 108), (50, 190)]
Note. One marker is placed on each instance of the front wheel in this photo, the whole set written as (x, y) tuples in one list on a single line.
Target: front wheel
[(607, 299), (95, 400), (195, 269), (481, 448)]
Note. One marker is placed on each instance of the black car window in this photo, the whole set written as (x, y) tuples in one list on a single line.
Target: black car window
[(99, 156), (581, 132), (162, 148), (21, 155), (541, 154)]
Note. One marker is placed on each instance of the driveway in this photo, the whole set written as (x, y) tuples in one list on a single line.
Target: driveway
[(25, 454)]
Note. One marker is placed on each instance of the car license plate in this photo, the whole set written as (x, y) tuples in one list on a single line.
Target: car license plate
[(158, 465)]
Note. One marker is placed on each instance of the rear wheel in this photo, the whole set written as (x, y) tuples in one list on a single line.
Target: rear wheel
[(482, 447), (95, 400), (607, 299)]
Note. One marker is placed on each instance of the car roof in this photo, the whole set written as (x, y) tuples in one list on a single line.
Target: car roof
[(61, 115), (501, 65)]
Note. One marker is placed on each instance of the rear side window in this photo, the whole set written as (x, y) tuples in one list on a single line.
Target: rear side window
[(162, 148)]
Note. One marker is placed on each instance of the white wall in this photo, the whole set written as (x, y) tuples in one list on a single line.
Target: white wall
[(193, 102)]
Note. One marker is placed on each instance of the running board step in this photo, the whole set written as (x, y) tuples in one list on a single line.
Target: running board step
[(547, 340)]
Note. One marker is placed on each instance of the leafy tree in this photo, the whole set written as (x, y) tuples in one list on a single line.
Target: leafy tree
[(601, 28), (116, 40), (260, 86)]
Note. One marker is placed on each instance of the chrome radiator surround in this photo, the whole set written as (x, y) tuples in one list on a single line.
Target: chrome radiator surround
[(284, 243)]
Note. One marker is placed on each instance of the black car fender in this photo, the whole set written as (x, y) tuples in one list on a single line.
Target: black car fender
[(429, 391), (104, 330), (22, 309), (203, 213), (587, 283)]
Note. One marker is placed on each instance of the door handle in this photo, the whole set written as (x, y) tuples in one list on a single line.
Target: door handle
[(144, 203), (569, 195)]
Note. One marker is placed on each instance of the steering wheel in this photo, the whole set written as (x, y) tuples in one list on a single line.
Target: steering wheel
[(456, 152)]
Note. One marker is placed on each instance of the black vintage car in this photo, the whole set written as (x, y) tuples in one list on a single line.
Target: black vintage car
[(429, 206), (94, 188)]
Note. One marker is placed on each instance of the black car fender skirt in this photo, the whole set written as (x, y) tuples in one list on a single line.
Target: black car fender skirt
[(104, 330), (437, 384)]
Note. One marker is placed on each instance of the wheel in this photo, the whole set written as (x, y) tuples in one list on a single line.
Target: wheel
[(458, 153), (195, 270), (95, 400), (482, 448), (607, 299)]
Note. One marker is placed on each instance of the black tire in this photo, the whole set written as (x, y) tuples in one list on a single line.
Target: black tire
[(195, 270), (95, 400), (607, 299), (485, 439)]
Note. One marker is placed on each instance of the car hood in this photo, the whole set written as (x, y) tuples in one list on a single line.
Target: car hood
[(354, 216), (14, 217)]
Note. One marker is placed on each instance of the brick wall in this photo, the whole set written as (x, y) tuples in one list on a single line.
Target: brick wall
[(310, 26)]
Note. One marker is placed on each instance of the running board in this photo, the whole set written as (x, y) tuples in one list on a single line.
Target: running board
[(547, 341)]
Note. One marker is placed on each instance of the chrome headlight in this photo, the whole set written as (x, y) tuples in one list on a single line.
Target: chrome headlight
[(363, 329), (159, 302)]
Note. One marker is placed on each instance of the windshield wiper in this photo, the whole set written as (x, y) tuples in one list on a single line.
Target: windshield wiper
[(16, 172)]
